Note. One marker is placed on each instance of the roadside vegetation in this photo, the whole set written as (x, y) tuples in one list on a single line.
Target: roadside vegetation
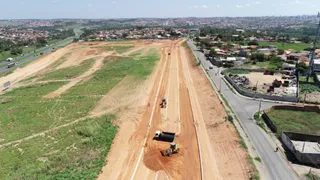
[(73, 152), (235, 71), (311, 176), (296, 121)]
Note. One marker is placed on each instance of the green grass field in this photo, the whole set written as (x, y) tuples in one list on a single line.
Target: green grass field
[(73, 152), (296, 121), (286, 46), (70, 72)]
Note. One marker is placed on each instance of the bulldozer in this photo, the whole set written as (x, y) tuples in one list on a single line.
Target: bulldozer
[(174, 148), (163, 103)]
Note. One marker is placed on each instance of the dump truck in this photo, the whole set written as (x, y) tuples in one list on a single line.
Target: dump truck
[(164, 136), (174, 148), (163, 103)]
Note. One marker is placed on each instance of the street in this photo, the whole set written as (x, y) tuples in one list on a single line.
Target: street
[(35, 55), (277, 167)]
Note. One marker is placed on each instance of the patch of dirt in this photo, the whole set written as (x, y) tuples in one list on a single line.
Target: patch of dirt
[(96, 66), (229, 157)]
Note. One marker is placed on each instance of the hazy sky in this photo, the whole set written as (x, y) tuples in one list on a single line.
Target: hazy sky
[(25, 9)]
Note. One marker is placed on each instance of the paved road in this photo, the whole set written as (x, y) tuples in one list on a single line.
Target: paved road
[(277, 167), (35, 55)]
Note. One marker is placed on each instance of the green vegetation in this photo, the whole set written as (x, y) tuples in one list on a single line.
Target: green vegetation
[(20, 118), (75, 152), (286, 46), (311, 176), (235, 71), (243, 144), (257, 159), (309, 88), (304, 79), (254, 172), (260, 121), (70, 72), (118, 49), (275, 63), (296, 121)]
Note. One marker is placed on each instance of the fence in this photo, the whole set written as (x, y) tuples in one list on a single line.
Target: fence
[(258, 95)]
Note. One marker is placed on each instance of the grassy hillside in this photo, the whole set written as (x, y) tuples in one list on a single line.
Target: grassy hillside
[(72, 152)]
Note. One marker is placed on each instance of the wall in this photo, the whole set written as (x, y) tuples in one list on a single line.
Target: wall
[(294, 108), (269, 123), (257, 95), (305, 158)]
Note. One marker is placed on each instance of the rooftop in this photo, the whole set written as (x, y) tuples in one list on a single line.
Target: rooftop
[(307, 147)]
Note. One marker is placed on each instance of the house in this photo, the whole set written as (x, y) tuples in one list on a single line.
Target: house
[(288, 67), (265, 50), (316, 65), (296, 56)]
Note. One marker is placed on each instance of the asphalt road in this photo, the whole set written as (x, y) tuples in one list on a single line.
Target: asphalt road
[(276, 165), (32, 56)]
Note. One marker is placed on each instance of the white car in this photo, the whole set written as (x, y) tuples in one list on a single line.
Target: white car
[(210, 67), (9, 59)]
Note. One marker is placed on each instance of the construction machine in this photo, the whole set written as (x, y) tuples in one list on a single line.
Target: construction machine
[(163, 103), (174, 148)]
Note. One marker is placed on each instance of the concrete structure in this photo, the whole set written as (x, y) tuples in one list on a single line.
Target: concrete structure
[(305, 147), (316, 65)]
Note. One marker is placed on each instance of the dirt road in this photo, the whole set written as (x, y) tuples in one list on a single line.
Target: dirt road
[(209, 145)]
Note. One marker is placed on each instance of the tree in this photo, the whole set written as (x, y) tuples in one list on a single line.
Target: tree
[(302, 67), (280, 51), (258, 56), (197, 39), (253, 43), (306, 39), (213, 52)]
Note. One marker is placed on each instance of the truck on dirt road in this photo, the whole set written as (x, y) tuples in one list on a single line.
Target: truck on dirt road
[(164, 136)]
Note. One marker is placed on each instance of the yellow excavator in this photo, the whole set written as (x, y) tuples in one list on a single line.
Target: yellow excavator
[(174, 148)]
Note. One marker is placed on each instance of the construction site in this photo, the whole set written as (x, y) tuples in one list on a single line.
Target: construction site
[(172, 124)]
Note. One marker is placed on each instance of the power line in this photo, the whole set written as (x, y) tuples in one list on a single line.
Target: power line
[(311, 64)]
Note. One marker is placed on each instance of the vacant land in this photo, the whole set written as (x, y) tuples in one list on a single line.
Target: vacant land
[(309, 91), (68, 142), (286, 46), (296, 121), (88, 106)]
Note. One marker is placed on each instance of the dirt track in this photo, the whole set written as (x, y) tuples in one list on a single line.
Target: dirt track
[(194, 112), (191, 103)]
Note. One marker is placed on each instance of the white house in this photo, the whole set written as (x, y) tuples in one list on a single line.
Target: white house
[(316, 65)]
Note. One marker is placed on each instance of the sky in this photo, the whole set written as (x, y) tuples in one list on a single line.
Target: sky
[(48, 9)]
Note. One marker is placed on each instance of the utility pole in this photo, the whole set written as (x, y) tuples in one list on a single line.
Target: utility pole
[(260, 101), (255, 92), (305, 97), (220, 84), (311, 64)]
